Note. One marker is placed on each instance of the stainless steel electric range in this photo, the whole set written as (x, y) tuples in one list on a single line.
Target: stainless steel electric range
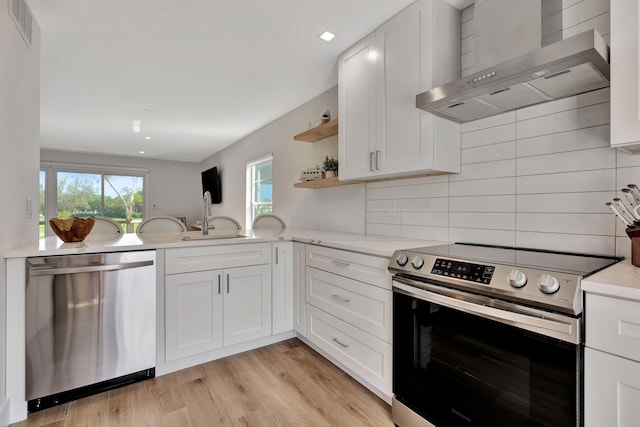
[(488, 335)]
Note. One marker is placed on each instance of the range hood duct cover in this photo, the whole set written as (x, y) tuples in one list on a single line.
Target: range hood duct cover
[(565, 68)]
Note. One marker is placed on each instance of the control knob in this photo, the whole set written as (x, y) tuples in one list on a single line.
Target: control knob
[(402, 260), (517, 278), (417, 262), (548, 284)]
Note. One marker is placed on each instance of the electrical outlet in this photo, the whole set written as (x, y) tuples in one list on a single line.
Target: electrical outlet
[(29, 208), (393, 208)]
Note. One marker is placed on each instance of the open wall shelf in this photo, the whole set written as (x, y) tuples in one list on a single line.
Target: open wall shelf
[(323, 131)]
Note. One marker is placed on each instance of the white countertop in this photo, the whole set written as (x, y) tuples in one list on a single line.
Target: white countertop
[(621, 280), (369, 244)]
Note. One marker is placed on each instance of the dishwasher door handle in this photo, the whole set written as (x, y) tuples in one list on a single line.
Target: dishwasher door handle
[(54, 270)]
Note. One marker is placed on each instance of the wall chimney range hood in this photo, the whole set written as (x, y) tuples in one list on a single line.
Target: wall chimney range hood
[(565, 68)]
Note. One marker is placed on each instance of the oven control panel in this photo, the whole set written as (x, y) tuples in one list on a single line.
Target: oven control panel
[(476, 273)]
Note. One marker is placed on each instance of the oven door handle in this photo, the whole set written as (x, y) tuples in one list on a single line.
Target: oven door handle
[(548, 324)]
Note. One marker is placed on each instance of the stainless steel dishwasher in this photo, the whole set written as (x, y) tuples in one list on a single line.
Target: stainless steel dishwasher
[(90, 324)]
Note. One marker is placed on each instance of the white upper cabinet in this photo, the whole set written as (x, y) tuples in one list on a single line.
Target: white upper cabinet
[(382, 133), (625, 96)]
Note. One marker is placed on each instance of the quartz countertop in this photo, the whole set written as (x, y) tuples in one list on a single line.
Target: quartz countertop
[(369, 244), (621, 280)]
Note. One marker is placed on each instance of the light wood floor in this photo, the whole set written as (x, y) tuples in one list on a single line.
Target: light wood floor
[(285, 384)]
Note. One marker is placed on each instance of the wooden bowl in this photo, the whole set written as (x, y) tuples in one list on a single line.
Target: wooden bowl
[(72, 229)]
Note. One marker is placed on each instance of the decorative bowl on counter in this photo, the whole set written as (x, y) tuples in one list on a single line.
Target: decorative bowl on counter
[(72, 229)]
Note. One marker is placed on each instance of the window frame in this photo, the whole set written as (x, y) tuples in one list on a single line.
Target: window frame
[(250, 182), (51, 170)]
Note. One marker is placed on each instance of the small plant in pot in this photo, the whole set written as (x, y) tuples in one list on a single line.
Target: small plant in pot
[(330, 166)]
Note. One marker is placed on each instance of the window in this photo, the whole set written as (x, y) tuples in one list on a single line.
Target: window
[(65, 192), (259, 187)]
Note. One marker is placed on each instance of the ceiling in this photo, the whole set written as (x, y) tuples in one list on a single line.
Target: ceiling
[(198, 74)]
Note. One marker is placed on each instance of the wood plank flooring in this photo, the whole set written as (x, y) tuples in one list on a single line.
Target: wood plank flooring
[(284, 384)]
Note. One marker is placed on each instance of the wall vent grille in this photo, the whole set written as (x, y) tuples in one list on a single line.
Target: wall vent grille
[(23, 18)]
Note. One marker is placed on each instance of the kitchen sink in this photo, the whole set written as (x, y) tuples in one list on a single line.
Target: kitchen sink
[(213, 234)]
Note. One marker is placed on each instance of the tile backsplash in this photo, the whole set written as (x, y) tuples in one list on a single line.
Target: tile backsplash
[(537, 177)]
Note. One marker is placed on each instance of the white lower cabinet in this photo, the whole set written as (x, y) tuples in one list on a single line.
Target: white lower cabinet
[(612, 362), (612, 390), (209, 309), (299, 294), (282, 286), (349, 312)]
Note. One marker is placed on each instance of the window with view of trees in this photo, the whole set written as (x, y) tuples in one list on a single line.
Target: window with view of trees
[(259, 188), (83, 194)]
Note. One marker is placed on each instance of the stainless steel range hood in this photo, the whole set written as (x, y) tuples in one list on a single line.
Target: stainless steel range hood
[(565, 68)]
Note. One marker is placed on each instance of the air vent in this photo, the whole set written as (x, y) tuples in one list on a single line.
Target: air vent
[(23, 18)]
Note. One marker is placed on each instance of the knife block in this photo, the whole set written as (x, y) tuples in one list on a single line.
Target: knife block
[(634, 234)]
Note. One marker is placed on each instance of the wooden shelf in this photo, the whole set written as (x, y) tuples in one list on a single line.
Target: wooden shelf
[(321, 183), (323, 131)]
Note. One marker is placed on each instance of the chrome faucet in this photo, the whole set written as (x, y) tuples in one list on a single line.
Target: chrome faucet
[(206, 210)]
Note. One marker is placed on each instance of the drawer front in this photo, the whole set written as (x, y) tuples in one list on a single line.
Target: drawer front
[(366, 268), (360, 304), (613, 325), (186, 260), (367, 356)]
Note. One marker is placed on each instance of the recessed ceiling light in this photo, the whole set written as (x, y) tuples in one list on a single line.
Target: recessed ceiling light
[(135, 126), (327, 36), (140, 152), (147, 137)]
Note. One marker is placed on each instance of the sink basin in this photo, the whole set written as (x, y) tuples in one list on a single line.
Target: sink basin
[(213, 234)]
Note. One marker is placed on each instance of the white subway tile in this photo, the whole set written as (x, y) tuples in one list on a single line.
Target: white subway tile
[(384, 193), (489, 122), (601, 23), (440, 189), (582, 160), (425, 233), (384, 229), (583, 11), (383, 218), (384, 184), (467, 60), (589, 116), (426, 179), (596, 180), (487, 136), (467, 13), (482, 204), (626, 176), (601, 245), (467, 44), (489, 237), (426, 204), (572, 140), (380, 205), (433, 219), (592, 202), (483, 187), (569, 223), (467, 28), (623, 247), (489, 220), (497, 169), (626, 160), (487, 153)]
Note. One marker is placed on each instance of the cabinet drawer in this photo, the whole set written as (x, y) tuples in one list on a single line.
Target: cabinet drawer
[(360, 304), (366, 268), (613, 325), (365, 355), (186, 260)]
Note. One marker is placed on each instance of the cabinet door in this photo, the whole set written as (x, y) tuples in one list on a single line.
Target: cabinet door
[(282, 287), (299, 292), (193, 303), (356, 98), (611, 390), (625, 96), (247, 303), (407, 140)]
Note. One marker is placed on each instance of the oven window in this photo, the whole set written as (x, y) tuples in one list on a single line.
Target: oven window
[(456, 369)]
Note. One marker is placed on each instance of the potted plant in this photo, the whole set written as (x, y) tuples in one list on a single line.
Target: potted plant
[(330, 166)]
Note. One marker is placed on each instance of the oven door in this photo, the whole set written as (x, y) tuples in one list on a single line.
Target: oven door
[(465, 360)]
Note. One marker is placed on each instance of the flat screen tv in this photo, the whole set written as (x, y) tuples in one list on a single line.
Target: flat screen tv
[(211, 183)]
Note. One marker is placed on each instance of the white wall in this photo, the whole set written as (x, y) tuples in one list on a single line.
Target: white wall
[(19, 154), (173, 187), (333, 208)]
